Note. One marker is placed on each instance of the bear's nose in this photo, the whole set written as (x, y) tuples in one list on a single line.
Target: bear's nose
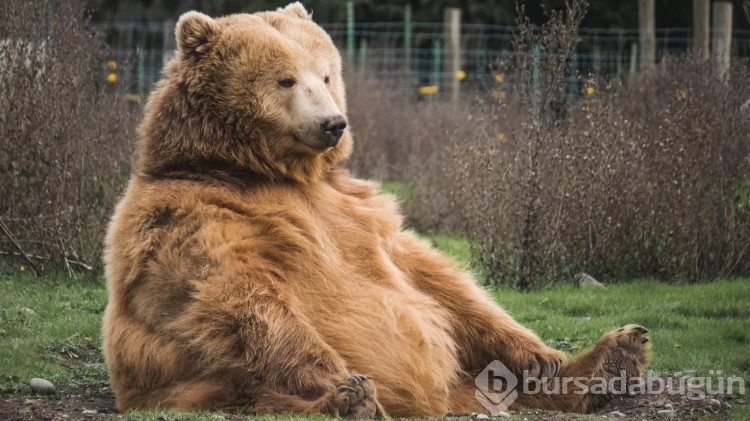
[(333, 127)]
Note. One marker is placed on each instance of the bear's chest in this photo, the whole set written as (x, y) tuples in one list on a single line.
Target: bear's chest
[(364, 305)]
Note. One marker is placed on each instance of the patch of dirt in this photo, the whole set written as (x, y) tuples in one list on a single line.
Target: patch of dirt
[(677, 399), (56, 408), (690, 404)]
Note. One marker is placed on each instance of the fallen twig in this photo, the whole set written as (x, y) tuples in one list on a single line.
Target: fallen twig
[(80, 264), (13, 240)]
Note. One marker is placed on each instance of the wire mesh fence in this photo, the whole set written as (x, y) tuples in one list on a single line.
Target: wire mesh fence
[(414, 58)]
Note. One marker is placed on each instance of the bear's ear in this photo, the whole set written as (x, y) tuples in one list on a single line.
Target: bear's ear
[(296, 9), (195, 32)]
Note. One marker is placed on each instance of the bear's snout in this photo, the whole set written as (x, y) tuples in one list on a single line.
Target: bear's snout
[(333, 128)]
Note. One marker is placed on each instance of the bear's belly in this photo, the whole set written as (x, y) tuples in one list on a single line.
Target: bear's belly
[(381, 325)]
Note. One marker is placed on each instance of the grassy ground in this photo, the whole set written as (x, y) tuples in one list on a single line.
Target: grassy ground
[(50, 329)]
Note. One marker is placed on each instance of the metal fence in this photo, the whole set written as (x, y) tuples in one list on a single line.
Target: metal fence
[(379, 50)]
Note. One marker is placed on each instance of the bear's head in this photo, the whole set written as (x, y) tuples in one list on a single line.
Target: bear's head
[(256, 95)]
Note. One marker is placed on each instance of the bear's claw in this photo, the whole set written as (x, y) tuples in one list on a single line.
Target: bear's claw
[(357, 398), (357, 378), (636, 328), (540, 369)]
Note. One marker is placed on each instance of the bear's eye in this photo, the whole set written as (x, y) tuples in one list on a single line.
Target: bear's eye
[(326, 80), (287, 83)]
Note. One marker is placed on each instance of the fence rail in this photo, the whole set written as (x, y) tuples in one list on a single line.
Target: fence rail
[(141, 49)]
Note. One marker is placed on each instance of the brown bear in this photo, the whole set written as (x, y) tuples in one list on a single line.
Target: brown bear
[(246, 269)]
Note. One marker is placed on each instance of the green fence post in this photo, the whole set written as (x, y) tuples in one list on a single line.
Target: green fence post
[(535, 83), (350, 32), (407, 43), (633, 60), (141, 73), (362, 56), (573, 78), (436, 64)]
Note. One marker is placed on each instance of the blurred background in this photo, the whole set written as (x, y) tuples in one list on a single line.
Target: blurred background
[(543, 142), (376, 35)]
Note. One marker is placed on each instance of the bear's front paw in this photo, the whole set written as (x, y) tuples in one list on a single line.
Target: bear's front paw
[(356, 398)]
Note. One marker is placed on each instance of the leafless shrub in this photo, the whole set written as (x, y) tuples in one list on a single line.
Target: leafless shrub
[(665, 163), (646, 179), (66, 143), (400, 137), (542, 54)]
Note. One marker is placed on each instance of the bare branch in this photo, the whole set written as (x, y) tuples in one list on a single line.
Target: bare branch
[(15, 242)]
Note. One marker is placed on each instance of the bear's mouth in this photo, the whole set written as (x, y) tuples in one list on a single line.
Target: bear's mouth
[(316, 147), (317, 142)]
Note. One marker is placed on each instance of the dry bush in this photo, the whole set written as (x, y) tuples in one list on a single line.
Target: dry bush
[(398, 137), (527, 250), (67, 142), (666, 160), (646, 179)]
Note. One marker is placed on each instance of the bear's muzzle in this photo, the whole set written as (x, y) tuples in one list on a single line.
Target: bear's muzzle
[(333, 129)]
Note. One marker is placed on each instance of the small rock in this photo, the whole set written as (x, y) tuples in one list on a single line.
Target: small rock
[(715, 402), (88, 411), (481, 417), (668, 406), (41, 386), (617, 414), (502, 414), (27, 311), (665, 411), (727, 404), (586, 280)]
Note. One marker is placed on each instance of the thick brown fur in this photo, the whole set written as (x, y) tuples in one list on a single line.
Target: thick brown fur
[(246, 269)]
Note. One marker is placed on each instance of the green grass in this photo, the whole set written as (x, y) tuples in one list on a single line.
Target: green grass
[(456, 246), (694, 328), (404, 191), (51, 328), (46, 327)]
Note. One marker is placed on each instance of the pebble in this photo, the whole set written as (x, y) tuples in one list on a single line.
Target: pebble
[(88, 411), (668, 406), (617, 414), (481, 417), (502, 414), (586, 280), (665, 411), (41, 386), (715, 402)]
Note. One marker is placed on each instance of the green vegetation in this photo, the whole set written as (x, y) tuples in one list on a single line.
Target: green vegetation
[(51, 329), (693, 327), (405, 192)]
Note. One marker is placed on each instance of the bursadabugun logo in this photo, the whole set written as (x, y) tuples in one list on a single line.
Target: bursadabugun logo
[(496, 387)]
